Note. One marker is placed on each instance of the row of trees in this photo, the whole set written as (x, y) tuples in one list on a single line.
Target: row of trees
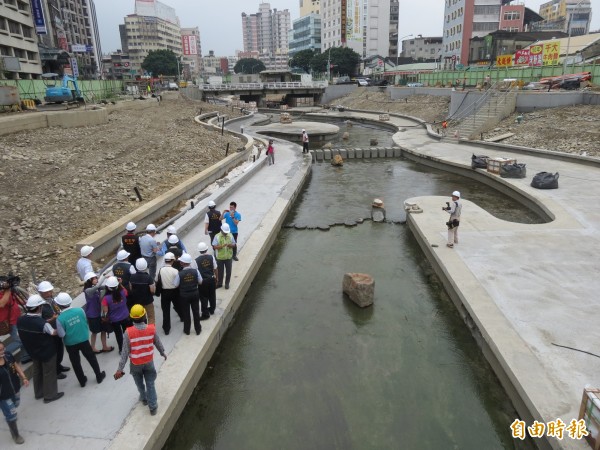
[(343, 61)]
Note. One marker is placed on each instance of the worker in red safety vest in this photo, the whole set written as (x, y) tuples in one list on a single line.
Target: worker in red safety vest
[(138, 344)]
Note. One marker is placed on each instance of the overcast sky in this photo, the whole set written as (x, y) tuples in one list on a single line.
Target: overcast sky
[(221, 26)]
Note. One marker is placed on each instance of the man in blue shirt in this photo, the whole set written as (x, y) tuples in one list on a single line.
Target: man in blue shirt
[(149, 248), (232, 217)]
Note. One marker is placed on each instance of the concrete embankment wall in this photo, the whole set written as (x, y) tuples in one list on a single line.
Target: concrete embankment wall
[(335, 91)]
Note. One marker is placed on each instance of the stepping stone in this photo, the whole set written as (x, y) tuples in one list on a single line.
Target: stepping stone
[(323, 227), (300, 227), (350, 223)]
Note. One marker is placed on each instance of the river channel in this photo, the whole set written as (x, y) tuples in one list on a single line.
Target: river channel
[(303, 368)]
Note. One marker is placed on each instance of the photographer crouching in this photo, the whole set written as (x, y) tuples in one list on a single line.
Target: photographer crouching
[(10, 311), (453, 208)]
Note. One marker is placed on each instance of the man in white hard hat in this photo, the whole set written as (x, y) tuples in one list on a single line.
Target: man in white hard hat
[(73, 328), (50, 312), (223, 243), (304, 141), (149, 248), (207, 266), (164, 249), (123, 269), (130, 242), (212, 220), (37, 337), (454, 208), (188, 281), (169, 291), (84, 264), (142, 288)]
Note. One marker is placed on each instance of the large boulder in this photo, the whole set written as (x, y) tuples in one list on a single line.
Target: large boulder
[(360, 288), (337, 160)]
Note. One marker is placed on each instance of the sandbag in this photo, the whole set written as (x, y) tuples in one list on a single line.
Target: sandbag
[(479, 161), (513, 171), (545, 180)]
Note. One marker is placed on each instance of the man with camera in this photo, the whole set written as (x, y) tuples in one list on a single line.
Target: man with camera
[(454, 208), (9, 313)]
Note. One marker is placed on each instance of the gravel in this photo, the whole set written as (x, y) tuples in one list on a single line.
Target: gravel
[(58, 186)]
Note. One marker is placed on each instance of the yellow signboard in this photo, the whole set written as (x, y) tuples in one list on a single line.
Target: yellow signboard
[(551, 53), (504, 61)]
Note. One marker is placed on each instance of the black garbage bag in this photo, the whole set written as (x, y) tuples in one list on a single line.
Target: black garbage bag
[(479, 161), (545, 180), (513, 171)]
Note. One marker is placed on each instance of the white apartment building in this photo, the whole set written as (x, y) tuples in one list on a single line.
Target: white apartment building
[(154, 26), (309, 7), (266, 32), (19, 52), (362, 25)]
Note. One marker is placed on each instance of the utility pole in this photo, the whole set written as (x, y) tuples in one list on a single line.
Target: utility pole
[(329, 65)]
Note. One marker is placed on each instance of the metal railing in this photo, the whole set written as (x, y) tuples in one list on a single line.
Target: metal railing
[(273, 85)]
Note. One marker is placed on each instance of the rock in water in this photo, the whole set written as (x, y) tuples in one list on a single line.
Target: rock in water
[(360, 288), (378, 214), (346, 135), (337, 160), (374, 141)]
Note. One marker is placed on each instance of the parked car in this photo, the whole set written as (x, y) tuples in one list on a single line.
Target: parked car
[(362, 82), (382, 82), (344, 80), (173, 86), (414, 84)]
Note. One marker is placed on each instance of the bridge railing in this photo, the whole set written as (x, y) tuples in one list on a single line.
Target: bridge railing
[(249, 86)]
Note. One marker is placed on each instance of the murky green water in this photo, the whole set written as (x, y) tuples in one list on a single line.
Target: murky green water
[(303, 368)]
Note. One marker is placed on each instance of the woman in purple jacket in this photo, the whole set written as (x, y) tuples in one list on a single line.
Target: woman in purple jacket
[(114, 309), (93, 311)]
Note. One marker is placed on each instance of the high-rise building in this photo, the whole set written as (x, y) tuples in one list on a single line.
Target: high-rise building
[(266, 32), (394, 23), (153, 26), (566, 15), (306, 34), (192, 52), (309, 7), (19, 55), (362, 25)]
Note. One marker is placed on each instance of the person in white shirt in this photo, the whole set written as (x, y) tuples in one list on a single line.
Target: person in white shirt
[(84, 264), (169, 290)]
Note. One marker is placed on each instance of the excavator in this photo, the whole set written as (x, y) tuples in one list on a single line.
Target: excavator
[(68, 92)]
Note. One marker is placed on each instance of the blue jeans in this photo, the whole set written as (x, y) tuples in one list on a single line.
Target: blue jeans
[(9, 407), (145, 372)]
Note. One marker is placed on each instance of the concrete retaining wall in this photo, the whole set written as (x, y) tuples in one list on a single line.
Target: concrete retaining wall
[(64, 119), (335, 91), (403, 92)]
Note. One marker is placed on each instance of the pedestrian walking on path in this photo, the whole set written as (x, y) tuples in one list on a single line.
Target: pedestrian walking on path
[(271, 152), (114, 309), (72, 327), (142, 288), (50, 312), (212, 220), (138, 347), (454, 208), (304, 141), (123, 269), (188, 281), (232, 217), (168, 290), (164, 249), (84, 264), (223, 243), (9, 314), (94, 293), (11, 376), (130, 242), (37, 336), (207, 266), (149, 248)]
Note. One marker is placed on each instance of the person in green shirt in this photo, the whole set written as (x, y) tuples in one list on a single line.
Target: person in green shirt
[(224, 243), (72, 327)]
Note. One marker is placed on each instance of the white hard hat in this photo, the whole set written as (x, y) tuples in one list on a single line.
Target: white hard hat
[(303, 130), (225, 228), (130, 226), (63, 299), (169, 256), (173, 239), (211, 204), (112, 282), (202, 247), (45, 286), (34, 301), (171, 229), (123, 254), (456, 194), (141, 264), (151, 227), (185, 259), (88, 276), (86, 250)]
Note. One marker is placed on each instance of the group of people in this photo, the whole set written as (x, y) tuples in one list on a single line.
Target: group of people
[(121, 303)]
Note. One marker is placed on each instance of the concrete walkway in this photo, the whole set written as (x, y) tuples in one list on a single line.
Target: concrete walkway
[(523, 286)]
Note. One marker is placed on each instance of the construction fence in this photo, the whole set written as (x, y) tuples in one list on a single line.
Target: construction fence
[(476, 76), (91, 90)]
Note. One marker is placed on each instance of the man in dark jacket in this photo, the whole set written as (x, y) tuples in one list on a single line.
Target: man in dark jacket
[(141, 289), (37, 337), (189, 298), (212, 220), (130, 242)]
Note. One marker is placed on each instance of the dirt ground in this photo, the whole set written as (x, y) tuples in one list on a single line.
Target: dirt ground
[(60, 185)]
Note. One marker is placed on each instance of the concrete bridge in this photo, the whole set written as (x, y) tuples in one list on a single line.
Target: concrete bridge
[(258, 92)]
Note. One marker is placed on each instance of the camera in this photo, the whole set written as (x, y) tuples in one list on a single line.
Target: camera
[(9, 282), (447, 208)]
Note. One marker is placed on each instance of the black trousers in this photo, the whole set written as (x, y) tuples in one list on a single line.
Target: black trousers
[(119, 328), (211, 235), (235, 235), (60, 352), (208, 295), (305, 147), (86, 350), (223, 264), (190, 301), (168, 297)]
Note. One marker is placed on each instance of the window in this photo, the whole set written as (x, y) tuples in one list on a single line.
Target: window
[(27, 32), (486, 10), (14, 27), (512, 15)]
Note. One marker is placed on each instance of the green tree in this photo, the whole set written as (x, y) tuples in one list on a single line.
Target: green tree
[(249, 65), (343, 59), (303, 59), (161, 62)]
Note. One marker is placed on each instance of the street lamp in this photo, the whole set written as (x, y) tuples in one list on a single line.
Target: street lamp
[(569, 38)]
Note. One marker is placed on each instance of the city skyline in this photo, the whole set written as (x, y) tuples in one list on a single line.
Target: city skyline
[(426, 19)]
